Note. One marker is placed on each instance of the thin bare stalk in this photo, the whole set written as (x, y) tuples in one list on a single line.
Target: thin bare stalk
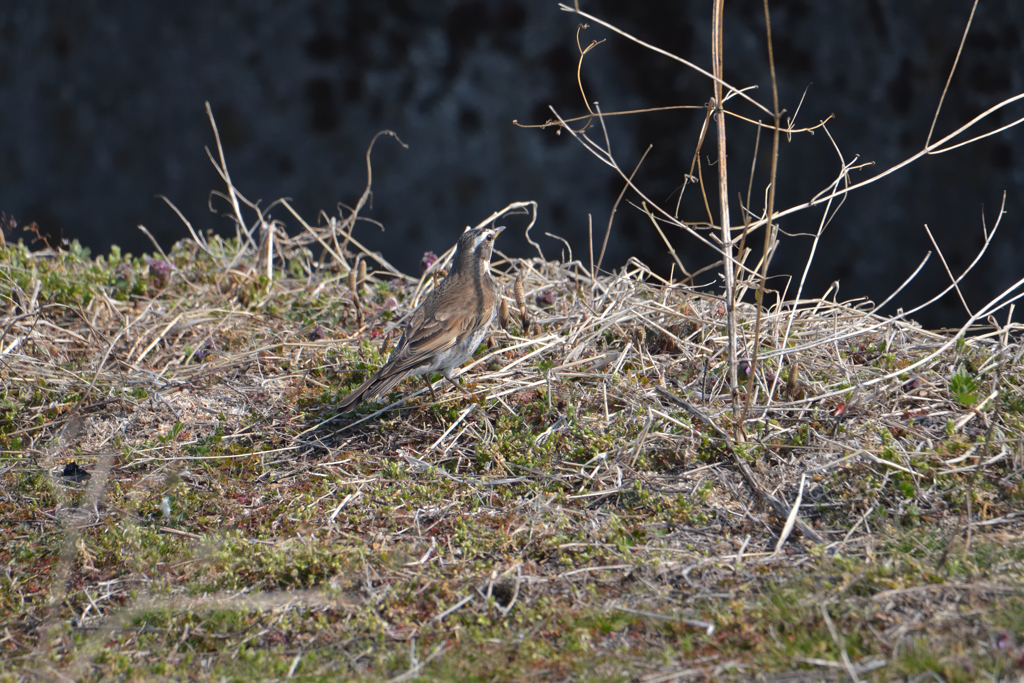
[(768, 233), (723, 204), (952, 70)]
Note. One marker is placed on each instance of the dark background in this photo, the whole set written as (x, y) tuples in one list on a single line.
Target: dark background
[(101, 109)]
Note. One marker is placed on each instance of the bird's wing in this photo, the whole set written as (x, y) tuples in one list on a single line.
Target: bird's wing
[(428, 334)]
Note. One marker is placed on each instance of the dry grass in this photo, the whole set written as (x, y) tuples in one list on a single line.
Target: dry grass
[(619, 501), (596, 512)]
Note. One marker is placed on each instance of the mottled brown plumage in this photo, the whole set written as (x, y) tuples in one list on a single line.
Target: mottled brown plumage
[(448, 326)]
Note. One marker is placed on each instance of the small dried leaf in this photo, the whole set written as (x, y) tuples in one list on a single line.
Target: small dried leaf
[(793, 381), (520, 294), (503, 313)]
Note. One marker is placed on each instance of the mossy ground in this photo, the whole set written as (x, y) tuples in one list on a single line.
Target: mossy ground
[(566, 524)]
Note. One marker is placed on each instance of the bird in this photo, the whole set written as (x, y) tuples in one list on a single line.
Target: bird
[(447, 328)]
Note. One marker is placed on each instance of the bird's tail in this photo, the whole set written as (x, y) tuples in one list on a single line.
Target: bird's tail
[(380, 383)]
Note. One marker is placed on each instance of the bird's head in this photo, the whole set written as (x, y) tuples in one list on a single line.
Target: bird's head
[(475, 247)]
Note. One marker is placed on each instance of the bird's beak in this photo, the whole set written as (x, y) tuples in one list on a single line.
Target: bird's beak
[(497, 230)]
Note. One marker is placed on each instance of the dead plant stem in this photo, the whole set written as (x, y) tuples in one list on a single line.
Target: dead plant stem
[(723, 202), (768, 233)]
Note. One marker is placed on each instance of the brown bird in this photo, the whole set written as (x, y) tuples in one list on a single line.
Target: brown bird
[(448, 326)]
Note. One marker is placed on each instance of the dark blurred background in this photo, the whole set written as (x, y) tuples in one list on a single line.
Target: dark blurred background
[(102, 109)]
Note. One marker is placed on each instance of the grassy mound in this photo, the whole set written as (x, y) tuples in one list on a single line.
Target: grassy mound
[(180, 499), (651, 482)]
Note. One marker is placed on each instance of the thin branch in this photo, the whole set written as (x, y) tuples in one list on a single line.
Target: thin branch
[(952, 70)]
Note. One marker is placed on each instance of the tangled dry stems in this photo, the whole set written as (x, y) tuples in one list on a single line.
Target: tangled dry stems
[(602, 465), (617, 387)]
